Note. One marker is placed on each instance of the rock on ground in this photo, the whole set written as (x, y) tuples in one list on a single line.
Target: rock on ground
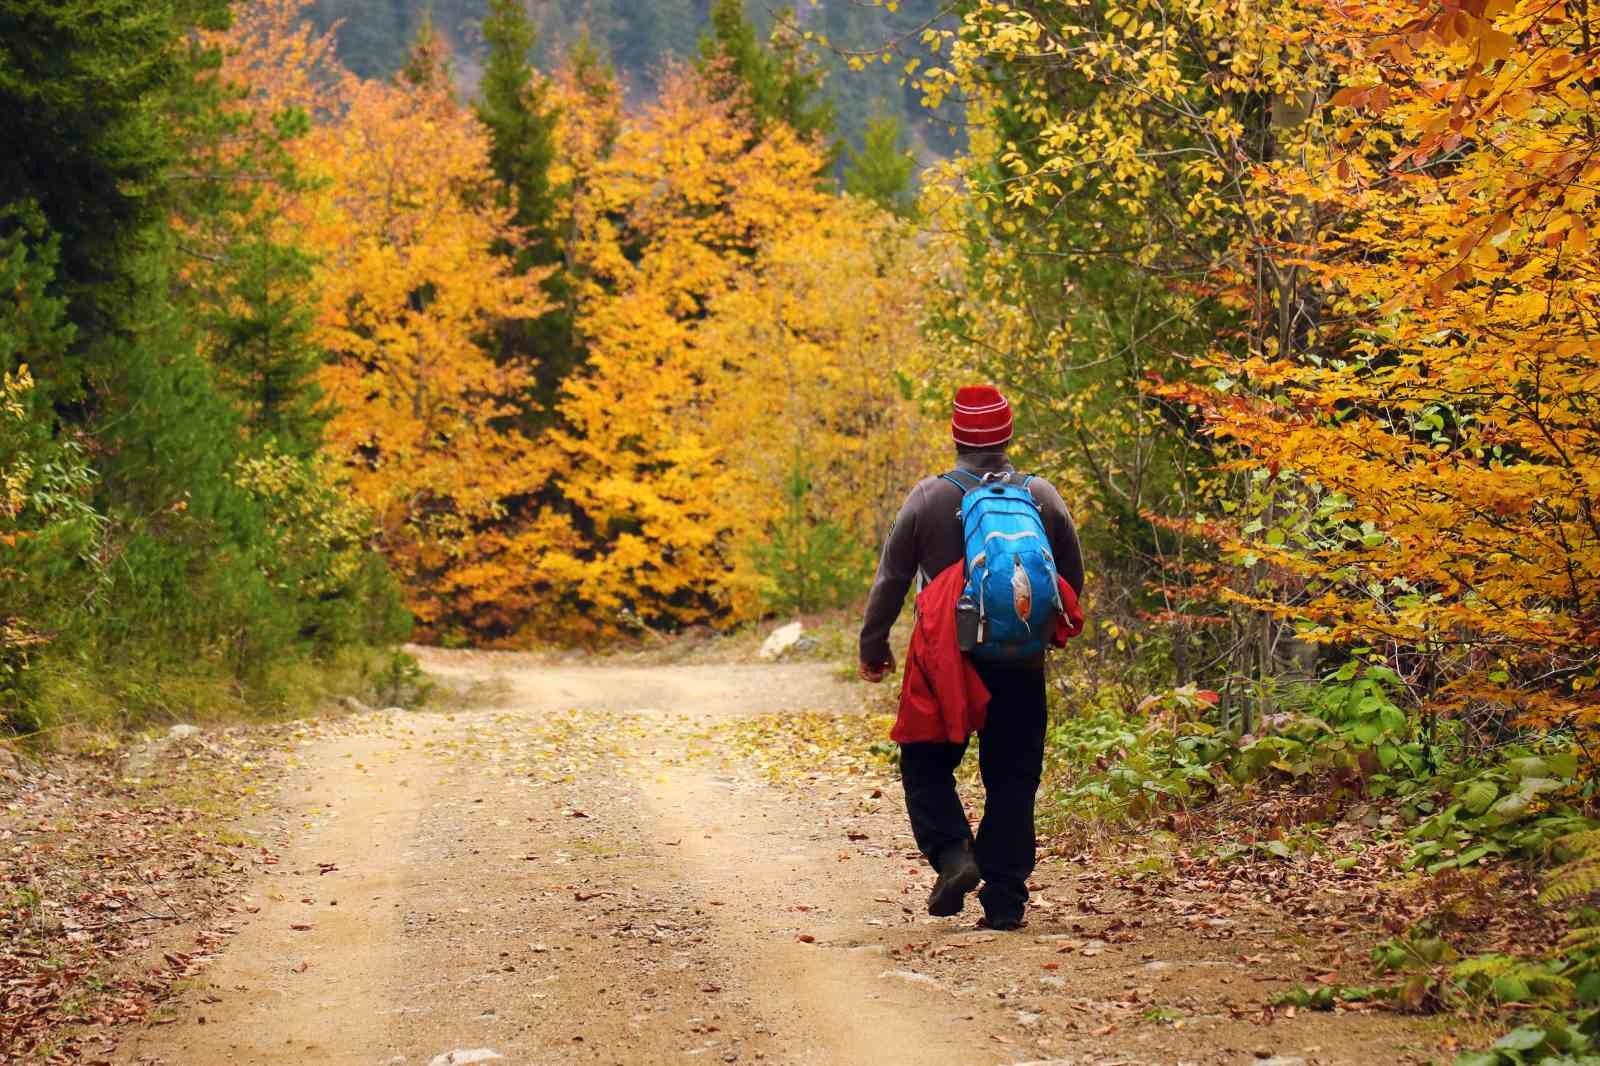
[(781, 640), (461, 1057)]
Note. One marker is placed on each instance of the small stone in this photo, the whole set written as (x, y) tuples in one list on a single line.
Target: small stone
[(182, 731), (462, 1057), (910, 975), (781, 640)]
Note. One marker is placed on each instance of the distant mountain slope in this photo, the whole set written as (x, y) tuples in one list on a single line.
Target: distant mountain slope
[(642, 36)]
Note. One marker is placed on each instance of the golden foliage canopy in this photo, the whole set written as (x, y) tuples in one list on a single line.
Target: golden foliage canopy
[(410, 293), (687, 233)]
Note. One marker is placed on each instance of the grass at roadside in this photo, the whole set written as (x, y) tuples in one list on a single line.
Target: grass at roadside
[(76, 708)]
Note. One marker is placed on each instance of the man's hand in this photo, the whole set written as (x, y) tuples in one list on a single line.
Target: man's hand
[(875, 672)]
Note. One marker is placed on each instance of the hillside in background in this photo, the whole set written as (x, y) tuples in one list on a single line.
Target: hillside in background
[(642, 36)]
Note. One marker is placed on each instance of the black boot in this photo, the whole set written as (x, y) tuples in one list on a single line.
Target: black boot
[(1005, 923), (958, 875)]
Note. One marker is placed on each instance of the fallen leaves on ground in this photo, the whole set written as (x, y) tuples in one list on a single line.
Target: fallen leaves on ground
[(118, 881)]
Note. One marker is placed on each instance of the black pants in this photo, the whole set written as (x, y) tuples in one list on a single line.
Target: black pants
[(1010, 757)]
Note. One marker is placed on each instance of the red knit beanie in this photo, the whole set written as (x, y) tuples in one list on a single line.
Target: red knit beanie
[(982, 417)]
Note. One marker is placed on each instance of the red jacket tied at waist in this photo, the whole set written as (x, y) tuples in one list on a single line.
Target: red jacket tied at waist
[(942, 698)]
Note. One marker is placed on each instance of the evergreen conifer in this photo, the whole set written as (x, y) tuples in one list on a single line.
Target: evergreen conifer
[(115, 108), (776, 81), (521, 124), (881, 171), (516, 109), (428, 61)]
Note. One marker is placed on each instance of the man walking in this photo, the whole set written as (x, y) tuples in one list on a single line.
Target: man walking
[(928, 538)]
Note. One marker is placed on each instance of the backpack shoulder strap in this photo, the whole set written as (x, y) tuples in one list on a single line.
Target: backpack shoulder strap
[(955, 476)]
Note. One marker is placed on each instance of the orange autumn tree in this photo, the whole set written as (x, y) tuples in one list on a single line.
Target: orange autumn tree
[(1448, 418), (669, 221), (410, 293), (274, 50)]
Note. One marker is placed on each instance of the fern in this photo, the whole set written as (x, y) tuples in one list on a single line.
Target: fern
[(1581, 875), (1572, 880), (1581, 946), (1505, 979)]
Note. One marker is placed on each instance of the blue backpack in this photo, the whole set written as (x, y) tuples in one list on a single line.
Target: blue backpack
[(1011, 574)]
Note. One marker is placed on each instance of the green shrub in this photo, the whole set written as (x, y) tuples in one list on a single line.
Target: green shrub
[(809, 562)]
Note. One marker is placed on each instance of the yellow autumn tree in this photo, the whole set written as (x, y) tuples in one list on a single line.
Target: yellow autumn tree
[(814, 359), (1390, 204), (410, 293), (670, 221), (587, 101), (275, 52), (1114, 216)]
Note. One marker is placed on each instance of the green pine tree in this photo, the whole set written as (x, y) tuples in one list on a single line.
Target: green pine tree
[(249, 291), (77, 80), (808, 561), (516, 109), (882, 172), (522, 127), (428, 60), (259, 341), (777, 81)]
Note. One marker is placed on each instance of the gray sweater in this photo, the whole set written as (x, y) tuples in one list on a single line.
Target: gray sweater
[(927, 537)]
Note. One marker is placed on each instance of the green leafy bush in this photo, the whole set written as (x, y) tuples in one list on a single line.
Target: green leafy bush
[(1558, 1042), (1174, 748), (1513, 808), (49, 531)]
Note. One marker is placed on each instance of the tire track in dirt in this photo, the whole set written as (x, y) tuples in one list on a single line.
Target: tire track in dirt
[(441, 886), (785, 901), (298, 982)]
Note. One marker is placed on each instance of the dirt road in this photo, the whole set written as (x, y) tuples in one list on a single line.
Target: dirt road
[(585, 871)]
